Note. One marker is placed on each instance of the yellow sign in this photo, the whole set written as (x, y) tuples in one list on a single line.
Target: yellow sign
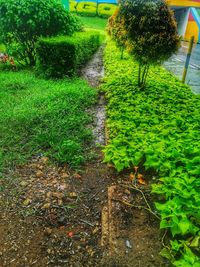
[(184, 3)]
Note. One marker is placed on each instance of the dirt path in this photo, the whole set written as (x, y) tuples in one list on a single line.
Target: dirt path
[(93, 72), (50, 216)]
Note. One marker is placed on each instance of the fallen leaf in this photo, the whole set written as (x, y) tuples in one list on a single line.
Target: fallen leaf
[(96, 229), (72, 194), (65, 175), (49, 194), (60, 202), (39, 174), (136, 168), (141, 179), (62, 228), (57, 195), (48, 230), (27, 202), (77, 176), (110, 165), (70, 234), (46, 206), (132, 177), (44, 159)]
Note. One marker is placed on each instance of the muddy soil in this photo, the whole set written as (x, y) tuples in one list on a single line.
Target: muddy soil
[(51, 215), (93, 72)]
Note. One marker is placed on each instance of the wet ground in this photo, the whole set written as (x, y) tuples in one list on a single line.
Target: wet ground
[(177, 62), (93, 72)]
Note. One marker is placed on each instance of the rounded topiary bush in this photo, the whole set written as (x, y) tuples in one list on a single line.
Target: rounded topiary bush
[(151, 30), (23, 22)]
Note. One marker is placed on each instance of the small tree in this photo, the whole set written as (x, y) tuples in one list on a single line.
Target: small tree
[(23, 22), (117, 31), (152, 32)]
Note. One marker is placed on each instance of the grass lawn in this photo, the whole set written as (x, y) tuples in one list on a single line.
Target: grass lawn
[(39, 116), (2, 48), (43, 116), (94, 22)]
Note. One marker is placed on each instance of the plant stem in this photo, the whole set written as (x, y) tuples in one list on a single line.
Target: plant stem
[(145, 199), (139, 207), (146, 74)]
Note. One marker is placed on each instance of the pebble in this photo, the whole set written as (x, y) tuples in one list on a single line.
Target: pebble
[(48, 231), (39, 174), (128, 244)]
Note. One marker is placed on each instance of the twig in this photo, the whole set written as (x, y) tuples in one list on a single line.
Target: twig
[(95, 194), (90, 224), (162, 240), (145, 199), (139, 207), (141, 192)]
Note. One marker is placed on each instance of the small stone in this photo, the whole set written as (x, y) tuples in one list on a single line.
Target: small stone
[(23, 183), (110, 165), (48, 231), (128, 244), (39, 174), (44, 159), (62, 187), (49, 194), (61, 219), (40, 167), (65, 175)]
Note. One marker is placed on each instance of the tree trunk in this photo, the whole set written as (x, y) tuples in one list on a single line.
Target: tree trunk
[(139, 75), (142, 75), (122, 52)]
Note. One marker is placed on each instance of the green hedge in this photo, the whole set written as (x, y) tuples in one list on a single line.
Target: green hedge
[(61, 56)]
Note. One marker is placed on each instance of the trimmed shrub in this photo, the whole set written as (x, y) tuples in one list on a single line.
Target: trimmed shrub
[(63, 55), (23, 22), (152, 33)]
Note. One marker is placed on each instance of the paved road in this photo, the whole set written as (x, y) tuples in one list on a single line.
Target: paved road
[(176, 65)]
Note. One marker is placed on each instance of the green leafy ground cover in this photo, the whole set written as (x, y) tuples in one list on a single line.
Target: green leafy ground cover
[(39, 116), (158, 129)]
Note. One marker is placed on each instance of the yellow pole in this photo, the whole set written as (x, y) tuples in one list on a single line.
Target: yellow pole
[(187, 62)]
